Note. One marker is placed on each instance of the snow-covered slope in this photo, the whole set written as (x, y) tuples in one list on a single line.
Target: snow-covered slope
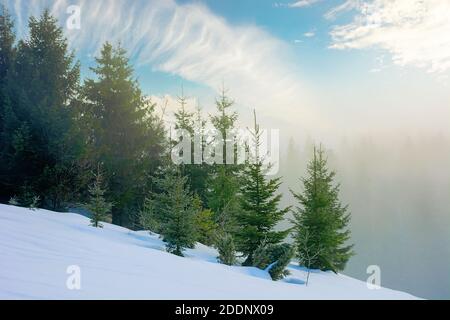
[(37, 247)]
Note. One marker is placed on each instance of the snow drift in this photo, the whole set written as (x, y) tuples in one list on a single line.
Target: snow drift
[(37, 249)]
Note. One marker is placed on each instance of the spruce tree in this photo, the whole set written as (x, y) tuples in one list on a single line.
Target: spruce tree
[(174, 210), (260, 204), (192, 123), (39, 148), (7, 39), (147, 216), (122, 130), (179, 232), (320, 220), (206, 227), (223, 184), (7, 55), (227, 249), (98, 206)]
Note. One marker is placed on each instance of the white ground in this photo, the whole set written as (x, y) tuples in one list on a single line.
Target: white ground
[(37, 247)]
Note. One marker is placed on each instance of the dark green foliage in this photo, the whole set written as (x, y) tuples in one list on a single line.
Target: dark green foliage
[(39, 145), (224, 123), (122, 131), (7, 55), (282, 256), (206, 227), (174, 211), (259, 203), (223, 185), (223, 198), (321, 221), (98, 206), (274, 257), (195, 170), (262, 256), (148, 217), (7, 39), (227, 249)]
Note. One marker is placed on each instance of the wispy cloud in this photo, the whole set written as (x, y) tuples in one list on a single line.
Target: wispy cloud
[(302, 3), (309, 34), (190, 41), (296, 4), (344, 7), (415, 32)]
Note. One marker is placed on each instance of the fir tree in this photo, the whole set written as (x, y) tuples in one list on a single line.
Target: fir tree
[(98, 206), (282, 256), (227, 249), (259, 203), (39, 147), (224, 123), (223, 184), (206, 227), (122, 130), (7, 55), (274, 258), (175, 210), (7, 39), (320, 220), (193, 124), (147, 216)]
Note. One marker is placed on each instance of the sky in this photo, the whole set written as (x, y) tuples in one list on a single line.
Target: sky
[(309, 67)]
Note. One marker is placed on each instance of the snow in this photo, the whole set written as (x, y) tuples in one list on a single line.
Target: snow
[(37, 247)]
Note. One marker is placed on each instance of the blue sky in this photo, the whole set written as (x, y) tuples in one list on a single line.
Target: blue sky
[(330, 67)]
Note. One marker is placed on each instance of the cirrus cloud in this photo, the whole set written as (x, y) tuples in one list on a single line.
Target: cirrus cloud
[(190, 41)]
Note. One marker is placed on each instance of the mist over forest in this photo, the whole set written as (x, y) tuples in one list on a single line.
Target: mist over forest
[(398, 193)]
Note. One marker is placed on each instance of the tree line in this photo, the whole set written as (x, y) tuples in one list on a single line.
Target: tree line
[(99, 143)]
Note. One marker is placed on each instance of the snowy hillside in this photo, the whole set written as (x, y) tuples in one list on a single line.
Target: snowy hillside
[(37, 247)]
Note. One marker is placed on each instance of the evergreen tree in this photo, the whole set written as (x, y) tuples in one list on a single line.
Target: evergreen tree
[(39, 147), (7, 39), (224, 122), (320, 220), (223, 196), (196, 170), (282, 256), (259, 203), (274, 258), (174, 209), (7, 123), (7, 55), (98, 206), (206, 228), (179, 232), (147, 217), (123, 132), (227, 249)]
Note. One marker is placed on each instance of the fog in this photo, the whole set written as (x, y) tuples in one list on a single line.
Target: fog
[(397, 189)]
